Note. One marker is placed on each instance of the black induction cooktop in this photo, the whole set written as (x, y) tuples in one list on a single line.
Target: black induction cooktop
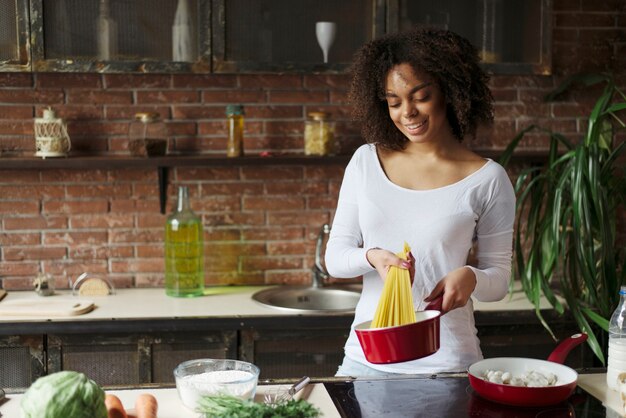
[(444, 397)]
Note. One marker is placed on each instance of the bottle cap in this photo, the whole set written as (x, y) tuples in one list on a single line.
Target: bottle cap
[(318, 115), (234, 110)]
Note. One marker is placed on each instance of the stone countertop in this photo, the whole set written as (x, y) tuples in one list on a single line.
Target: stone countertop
[(219, 302), (170, 405)]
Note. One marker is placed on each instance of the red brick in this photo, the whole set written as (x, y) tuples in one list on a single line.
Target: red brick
[(99, 97), (273, 112), (234, 249), (147, 265), (273, 203), (339, 97), (134, 235), (565, 35), (219, 203), (325, 81), (605, 5), (34, 253), (129, 112), (270, 263), (79, 127), (272, 234), (198, 112), (71, 80), (207, 174), (312, 219), (47, 97), (204, 81), (215, 234), (237, 218), (238, 188), (133, 174), (567, 5), (150, 251), (16, 80), (16, 112), (12, 207), (8, 268), (102, 221), (92, 252), (324, 172), (98, 190), (272, 81), (73, 176), (16, 128), (521, 81), (295, 96), (73, 269), (37, 223), (31, 192), (19, 176), (21, 238), (293, 278), (74, 206), (147, 97), (321, 202), (234, 96), (271, 173), (74, 238), (137, 81), (149, 280), (155, 220)]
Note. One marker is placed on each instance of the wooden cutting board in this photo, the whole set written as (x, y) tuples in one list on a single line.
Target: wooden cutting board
[(49, 307)]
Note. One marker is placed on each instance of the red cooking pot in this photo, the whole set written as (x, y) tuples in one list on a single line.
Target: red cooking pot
[(403, 342), (522, 395)]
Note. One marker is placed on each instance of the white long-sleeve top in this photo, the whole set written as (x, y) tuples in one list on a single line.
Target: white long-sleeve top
[(439, 225)]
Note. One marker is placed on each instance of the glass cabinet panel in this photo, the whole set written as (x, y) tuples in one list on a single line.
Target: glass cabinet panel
[(282, 34), (511, 35), (111, 35), (14, 51)]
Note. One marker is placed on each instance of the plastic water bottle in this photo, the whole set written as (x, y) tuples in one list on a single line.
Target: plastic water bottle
[(184, 250), (617, 343)]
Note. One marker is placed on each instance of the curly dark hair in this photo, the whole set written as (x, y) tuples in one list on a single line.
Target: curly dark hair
[(451, 60)]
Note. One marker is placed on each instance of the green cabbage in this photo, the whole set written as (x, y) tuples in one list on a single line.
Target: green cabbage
[(65, 394)]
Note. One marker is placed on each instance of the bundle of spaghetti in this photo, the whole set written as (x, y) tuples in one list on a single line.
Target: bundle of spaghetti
[(395, 306)]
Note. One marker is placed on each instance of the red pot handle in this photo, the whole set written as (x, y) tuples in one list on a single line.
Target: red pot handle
[(559, 354), (435, 304)]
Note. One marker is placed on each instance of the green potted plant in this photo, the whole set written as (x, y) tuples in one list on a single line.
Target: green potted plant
[(566, 236)]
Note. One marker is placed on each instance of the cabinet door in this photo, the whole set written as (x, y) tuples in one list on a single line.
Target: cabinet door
[(14, 46), (280, 35), (22, 360), (120, 35), (282, 354), (512, 36), (129, 359)]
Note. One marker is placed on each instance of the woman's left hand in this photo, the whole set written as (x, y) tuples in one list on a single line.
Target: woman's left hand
[(457, 287)]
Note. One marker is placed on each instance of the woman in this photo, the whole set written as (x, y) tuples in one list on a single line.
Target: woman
[(418, 95)]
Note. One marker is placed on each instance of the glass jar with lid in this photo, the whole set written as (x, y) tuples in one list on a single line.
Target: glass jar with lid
[(147, 135), (319, 134)]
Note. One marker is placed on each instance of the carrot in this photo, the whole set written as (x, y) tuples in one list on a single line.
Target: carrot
[(146, 406), (115, 409)]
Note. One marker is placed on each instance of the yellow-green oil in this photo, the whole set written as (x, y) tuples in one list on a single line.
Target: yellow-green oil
[(184, 254)]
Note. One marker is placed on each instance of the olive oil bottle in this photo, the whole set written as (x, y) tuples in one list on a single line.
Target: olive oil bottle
[(184, 250)]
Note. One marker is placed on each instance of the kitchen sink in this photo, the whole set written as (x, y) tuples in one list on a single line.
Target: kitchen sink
[(336, 298)]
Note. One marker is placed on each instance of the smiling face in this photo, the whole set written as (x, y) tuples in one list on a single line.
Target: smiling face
[(416, 105)]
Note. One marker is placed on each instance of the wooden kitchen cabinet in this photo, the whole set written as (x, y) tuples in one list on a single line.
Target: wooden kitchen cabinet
[(122, 359), (118, 35), (241, 36), (22, 360), (295, 352), (14, 31)]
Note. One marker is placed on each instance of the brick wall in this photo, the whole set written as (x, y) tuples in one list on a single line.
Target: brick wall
[(260, 222)]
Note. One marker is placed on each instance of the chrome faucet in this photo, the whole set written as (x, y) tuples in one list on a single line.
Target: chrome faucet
[(319, 270)]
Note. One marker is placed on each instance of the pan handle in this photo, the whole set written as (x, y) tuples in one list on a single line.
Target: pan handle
[(559, 354), (435, 304)]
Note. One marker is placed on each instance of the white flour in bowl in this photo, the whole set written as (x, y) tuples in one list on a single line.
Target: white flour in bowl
[(238, 383)]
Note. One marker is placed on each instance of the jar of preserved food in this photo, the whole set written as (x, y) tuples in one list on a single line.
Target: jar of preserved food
[(147, 135), (234, 145), (319, 134)]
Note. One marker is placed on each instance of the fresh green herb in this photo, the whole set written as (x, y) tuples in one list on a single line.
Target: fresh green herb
[(231, 407)]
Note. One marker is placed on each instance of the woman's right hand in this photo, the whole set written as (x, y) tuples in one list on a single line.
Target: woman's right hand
[(381, 260)]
